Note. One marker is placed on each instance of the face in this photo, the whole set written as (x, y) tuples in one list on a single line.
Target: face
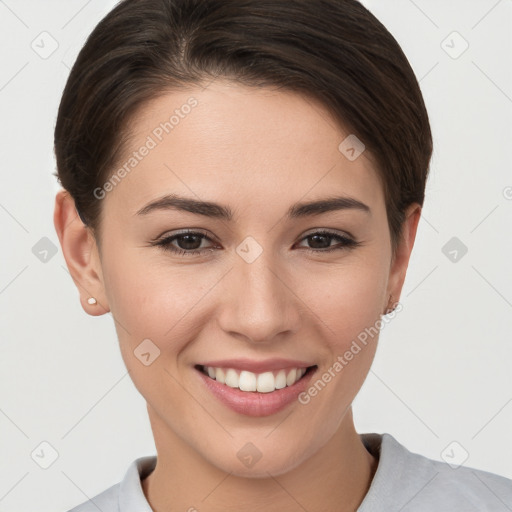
[(258, 284)]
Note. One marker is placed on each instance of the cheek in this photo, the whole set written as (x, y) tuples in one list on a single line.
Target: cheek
[(155, 301), (346, 298), (151, 314), (349, 311)]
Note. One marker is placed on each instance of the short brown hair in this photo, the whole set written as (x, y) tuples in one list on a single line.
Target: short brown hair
[(332, 50)]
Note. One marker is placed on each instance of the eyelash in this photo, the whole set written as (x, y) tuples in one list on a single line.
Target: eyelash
[(165, 243)]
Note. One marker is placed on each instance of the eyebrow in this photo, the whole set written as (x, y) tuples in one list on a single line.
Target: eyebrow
[(218, 211)]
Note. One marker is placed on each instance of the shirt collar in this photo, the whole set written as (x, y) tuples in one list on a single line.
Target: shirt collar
[(398, 469), (131, 495)]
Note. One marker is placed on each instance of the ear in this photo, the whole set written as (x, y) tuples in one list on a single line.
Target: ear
[(81, 254), (400, 261)]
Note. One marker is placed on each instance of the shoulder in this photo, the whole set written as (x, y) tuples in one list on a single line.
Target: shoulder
[(125, 496), (468, 488), (106, 501), (412, 482)]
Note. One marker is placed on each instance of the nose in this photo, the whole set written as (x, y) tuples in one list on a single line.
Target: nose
[(258, 304)]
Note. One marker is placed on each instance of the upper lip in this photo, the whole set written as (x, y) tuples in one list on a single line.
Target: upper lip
[(257, 366)]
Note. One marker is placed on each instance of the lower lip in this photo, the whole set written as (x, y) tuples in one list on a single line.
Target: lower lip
[(252, 403)]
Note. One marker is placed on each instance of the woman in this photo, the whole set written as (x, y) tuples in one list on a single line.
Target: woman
[(249, 177)]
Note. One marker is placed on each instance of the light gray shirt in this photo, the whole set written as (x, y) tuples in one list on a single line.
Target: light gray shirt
[(404, 481)]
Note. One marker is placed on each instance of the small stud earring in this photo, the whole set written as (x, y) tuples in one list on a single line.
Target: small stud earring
[(388, 309), (91, 300)]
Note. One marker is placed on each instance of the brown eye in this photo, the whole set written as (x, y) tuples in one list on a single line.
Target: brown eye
[(188, 243), (185, 243), (320, 241)]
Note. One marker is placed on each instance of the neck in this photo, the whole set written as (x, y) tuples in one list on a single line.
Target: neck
[(336, 477)]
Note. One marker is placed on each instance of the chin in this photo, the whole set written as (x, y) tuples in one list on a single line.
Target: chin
[(249, 462)]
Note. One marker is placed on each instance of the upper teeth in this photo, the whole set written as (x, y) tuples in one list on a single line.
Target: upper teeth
[(249, 381)]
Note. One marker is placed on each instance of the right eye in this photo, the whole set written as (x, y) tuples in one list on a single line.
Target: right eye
[(188, 240)]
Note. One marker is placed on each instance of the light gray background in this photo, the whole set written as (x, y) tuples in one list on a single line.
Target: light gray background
[(442, 370)]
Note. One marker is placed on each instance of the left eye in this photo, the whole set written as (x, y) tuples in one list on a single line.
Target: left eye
[(319, 237), (189, 242)]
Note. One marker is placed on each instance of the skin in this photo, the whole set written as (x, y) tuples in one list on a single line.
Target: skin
[(257, 151)]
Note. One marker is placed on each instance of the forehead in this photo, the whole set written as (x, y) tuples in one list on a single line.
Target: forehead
[(228, 140)]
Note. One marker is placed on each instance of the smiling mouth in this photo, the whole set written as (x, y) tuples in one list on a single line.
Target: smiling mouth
[(265, 382)]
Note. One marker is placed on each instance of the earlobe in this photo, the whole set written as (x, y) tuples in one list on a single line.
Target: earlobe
[(81, 254), (400, 262)]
